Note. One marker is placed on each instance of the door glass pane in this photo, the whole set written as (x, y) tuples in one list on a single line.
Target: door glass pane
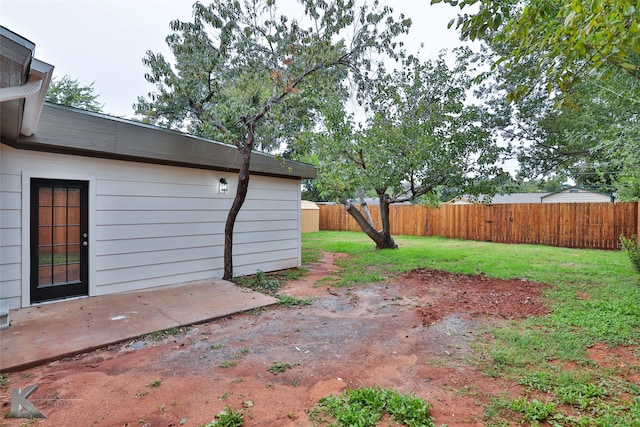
[(60, 235), (45, 235), (60, 273), (45, 256), (73, 234), (45, 216), (45, 275), (45, 196), (60, 254), (73, 253), (73, 272), (59, 215), (73, 196), (60, 196), (73, 215)]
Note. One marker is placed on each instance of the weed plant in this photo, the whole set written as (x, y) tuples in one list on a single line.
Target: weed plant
[(366, 406), (229, 363), (278, 367), (227, 418), (164, 334), (289, 301)]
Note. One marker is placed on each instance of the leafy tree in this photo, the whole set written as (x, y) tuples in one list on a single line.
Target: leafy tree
[(420, 134), (250, 76), (68, 91), (582, 55), (595, 143), (570, 39)]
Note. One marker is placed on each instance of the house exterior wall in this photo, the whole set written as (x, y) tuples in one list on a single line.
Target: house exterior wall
[(576, 195), (150, 225)]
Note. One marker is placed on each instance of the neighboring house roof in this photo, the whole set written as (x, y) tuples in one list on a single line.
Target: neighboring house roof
[(580, 193), (568, 195), (500, 199), (517, 198)]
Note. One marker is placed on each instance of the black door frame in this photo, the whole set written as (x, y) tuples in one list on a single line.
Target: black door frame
[(75, 288)]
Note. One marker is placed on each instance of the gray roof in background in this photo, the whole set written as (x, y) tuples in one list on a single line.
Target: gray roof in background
[(581, 190), (500, 199)]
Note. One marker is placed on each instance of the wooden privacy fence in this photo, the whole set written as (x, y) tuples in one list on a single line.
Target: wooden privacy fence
[(572, 225)]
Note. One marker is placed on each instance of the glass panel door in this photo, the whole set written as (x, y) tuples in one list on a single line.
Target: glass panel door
[(59, 239)]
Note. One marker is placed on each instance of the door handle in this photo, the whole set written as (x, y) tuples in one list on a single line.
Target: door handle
[(84, 243)]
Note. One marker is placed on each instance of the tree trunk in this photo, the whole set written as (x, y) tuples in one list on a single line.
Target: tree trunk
[(386, 225), (238, 201), (363, 204), (378, 237)]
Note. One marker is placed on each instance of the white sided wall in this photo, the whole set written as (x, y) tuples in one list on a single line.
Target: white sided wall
[(576, 195), (150, 225)]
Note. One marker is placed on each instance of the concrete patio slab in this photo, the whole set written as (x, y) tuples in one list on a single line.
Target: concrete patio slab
[(47, 332)]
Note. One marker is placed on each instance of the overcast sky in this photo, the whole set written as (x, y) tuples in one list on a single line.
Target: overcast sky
[(104, 41)]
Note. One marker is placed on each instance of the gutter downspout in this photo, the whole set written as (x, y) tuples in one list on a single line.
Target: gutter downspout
[(33, 92), (32, 87)]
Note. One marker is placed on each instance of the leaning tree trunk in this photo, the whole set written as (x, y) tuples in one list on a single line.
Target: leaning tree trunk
[(378, 237), (363, 205), (386, 225), (238, 201)]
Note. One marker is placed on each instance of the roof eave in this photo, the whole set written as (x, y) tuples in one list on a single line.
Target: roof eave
[(78, 132), (23, 86)]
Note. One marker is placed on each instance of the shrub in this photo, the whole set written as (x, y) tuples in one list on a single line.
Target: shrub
[(630, 246)]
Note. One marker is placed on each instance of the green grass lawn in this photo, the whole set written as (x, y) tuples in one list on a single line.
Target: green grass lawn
[(594, 299)]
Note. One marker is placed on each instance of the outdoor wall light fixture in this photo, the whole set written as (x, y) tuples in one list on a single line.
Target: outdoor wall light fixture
[(224, 186)]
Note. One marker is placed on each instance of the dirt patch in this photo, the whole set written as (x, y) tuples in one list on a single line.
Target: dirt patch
[(412, 335), (624, 359), (440, 294)]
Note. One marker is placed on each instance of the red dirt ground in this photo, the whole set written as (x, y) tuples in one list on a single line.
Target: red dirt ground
[(412, 334)]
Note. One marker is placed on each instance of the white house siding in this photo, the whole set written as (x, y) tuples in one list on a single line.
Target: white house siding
[(150, 225), (10, 236), (576, 196)]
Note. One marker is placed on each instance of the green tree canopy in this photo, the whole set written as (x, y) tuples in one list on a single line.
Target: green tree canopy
[(572, 40), (68, 91), (594, 142), (559, 53), (248, 74), (421, 133)]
